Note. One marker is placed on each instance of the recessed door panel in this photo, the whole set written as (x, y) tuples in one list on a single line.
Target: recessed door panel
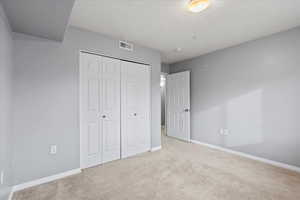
[(93, 138), (93, 96)]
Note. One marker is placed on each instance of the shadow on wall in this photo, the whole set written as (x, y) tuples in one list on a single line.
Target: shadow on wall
[(253, 91), (240, 120), (262, 121)]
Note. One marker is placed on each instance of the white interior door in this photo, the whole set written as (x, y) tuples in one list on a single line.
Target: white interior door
[(178, 105), (99, 109), (135, 95)]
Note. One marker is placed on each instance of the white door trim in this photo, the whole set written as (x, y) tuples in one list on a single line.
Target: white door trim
[(156, 148), (80, 96), (260, 159), (165, 74), (46, 179), (81, 107)]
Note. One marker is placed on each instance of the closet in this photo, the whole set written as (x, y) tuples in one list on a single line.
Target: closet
[(114, 109)]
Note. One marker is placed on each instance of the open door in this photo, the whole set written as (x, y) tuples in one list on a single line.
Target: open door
[(178, 105)]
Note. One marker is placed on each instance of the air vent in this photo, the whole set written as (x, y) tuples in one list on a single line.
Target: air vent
[(126, 46)]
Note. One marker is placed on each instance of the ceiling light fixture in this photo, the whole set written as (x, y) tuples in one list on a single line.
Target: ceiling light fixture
[(198, 5), (178, 49)]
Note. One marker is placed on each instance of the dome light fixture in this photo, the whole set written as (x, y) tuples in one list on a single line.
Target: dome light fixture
[(198, 5)]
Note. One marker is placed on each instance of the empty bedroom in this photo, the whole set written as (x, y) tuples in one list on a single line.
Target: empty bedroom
[(149, 99)]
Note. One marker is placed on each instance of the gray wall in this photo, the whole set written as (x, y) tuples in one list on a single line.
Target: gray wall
[(165, 68), (253, 90), (5, 103), (44, 18), (46, 107)]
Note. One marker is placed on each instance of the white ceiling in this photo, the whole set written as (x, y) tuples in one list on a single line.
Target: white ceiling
[(166, 25)]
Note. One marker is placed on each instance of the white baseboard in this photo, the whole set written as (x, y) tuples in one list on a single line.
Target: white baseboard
[(156, 149), (11, 194), (271, 162), (45, 180)]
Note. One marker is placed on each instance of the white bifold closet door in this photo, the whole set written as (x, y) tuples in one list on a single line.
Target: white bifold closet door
[(135, 106), (100, 109)]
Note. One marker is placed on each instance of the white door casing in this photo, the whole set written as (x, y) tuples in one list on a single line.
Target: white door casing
[(135, 94), (99, 109), (178, 105)]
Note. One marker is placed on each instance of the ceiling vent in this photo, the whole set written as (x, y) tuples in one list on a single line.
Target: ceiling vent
[(126, 46)]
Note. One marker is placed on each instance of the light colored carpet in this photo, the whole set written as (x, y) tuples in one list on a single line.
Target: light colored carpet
[(180, 171)]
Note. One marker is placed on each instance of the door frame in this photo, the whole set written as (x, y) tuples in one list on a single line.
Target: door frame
[(80, 97), (165, 74), (189, 139)]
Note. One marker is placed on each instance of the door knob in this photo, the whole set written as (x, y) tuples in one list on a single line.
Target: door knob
[(186, 110), (135, 114), (103, 116)]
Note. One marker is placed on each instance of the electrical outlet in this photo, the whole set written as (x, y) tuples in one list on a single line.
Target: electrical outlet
[(221, 131), (225, 132), (2, 177), (53, 149)]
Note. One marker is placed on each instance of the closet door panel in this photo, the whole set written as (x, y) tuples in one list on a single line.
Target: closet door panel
[(135, 108), (111, 109), (91, 126)]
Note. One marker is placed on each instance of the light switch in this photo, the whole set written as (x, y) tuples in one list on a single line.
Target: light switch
[(53, 149), (224, 131)]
